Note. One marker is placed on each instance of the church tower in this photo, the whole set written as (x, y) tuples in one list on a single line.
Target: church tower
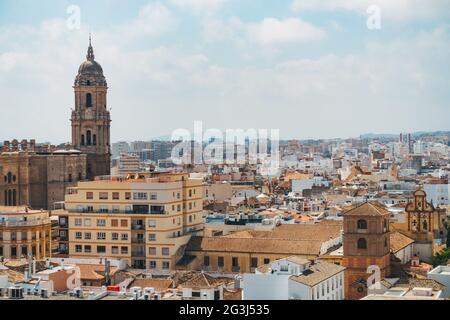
[(366, 246), (91, 119)]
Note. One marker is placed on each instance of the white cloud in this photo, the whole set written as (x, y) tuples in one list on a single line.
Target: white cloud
[(272, 31), (391, 9), (153, 20), (198, 6)]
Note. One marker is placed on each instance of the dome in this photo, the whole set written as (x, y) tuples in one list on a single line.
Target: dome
[(90, 71)]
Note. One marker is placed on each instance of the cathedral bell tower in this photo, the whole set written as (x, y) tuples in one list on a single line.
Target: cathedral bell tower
[(91, 119)]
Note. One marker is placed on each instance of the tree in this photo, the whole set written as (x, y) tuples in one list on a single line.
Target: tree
[(441, 258)]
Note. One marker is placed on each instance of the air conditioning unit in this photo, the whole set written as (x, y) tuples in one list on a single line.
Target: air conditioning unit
[(15, 293), (45, 293), (423, 292), (149, 290), (157, 297), (146, 296)]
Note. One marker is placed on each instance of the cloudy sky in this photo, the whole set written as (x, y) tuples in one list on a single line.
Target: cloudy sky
[(311, 68)]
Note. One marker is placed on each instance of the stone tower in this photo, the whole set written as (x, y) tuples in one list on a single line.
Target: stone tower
[(91, 119), (366, 244)]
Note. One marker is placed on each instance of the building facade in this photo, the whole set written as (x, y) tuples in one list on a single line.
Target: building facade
[(24, 231), (366, 247), (144, 219)]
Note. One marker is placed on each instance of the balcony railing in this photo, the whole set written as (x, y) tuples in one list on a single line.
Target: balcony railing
[(235, 269), (118, 211), (138, 253), (136, 240), (137, 227)]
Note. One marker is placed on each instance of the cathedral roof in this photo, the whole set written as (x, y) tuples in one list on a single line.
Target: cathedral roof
[(90, 71)]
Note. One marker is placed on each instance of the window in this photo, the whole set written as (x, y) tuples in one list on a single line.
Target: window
[(116, 196), (70, 177), (78, 222), (101, 249), (234, 262), (82, 139), (94, 139), (165, 251), (284, 268), (89, 195), (178, 195), (254, 263), (195, 294), (78, 248), (127, 195), (266, 261), (101, 236), (139, 196), (88, 138), (87, 236), (166, 265), (124, 250), (87, 222), (114, 223), (124, 236), (153, 196), (87, 249), (190, 193), (362, 224), (152, 223), (124, 223), (115, 250), (362, 243), (101, 222), (152, 237), (152, 264), (178, 208), (78, 235), (103, 195), (88, 100), (115, 236), (152, 251), (206, 261), (115, 209), (220, 262)]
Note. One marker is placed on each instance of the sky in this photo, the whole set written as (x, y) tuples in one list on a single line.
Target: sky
[(312, 69)]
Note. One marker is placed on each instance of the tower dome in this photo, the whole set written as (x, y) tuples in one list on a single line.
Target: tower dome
[(90, 72)]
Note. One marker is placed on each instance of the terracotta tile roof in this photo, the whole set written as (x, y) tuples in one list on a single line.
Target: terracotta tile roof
[(368, 209), (318, 273), (13, 276), (399, 241), (255, 245), (160, 285), (202, 280), (232, 294), (321, 231), (94, 271)]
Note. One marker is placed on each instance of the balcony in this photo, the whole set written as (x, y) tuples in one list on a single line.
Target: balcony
[(24, 223), (139, 254), (137, 241), (235, 269), (137, 227)]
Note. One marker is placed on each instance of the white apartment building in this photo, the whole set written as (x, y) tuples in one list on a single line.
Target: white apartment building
[(438, 191), (297, 279)]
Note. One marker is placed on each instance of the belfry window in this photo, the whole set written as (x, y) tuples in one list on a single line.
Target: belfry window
[(88, 100), (88, 138), (94, 139), (88, 82), (362, 243), (362, 224)]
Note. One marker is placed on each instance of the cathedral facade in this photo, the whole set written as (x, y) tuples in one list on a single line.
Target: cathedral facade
[(37, 176)]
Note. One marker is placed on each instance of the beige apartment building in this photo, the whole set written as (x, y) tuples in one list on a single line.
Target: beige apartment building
[(145, 219), (24, 231)]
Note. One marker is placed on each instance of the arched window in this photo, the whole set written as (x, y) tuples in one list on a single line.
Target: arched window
[(362, 243), (94, 139), (88, 100), (14, 202), (14, 178), (9, 177), (88, 83), (6, 198), (425, 225), (362, 224), (82, 139), (9, 198), (88, 138)]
